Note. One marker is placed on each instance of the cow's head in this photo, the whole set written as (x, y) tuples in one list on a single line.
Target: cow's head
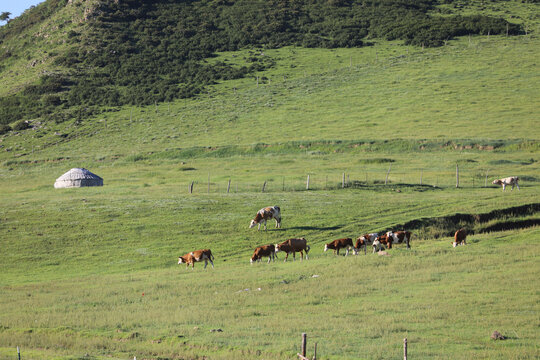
[(325, 247), (277, 247), (252, 224), (181, 260), (497, 182), (454, 244)]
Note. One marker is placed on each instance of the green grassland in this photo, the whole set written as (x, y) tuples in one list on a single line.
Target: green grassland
[(91, 273)]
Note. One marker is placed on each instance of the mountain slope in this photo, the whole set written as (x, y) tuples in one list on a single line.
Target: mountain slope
[(143, 52)]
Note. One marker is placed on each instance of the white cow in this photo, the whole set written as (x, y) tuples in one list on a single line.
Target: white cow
[(512, 180), (266, 214)]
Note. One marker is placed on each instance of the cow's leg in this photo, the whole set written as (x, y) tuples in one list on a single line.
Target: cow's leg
[(264, 224), (517, 185), (211, 263), (205, 263), (504, 186), (259, 227), (286, 256), (347, 251), (407, 242)]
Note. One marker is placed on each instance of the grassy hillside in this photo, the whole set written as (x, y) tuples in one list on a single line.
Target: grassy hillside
[(131, 52), (92, 273)]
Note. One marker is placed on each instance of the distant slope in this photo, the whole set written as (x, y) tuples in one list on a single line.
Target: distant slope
[(141, 52)]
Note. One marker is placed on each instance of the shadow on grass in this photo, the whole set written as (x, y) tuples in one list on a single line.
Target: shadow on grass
[(318, 228)]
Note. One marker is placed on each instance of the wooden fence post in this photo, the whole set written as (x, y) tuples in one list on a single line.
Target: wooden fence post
[(307, 183), (315, 353), (264, 185), (304, 343), (405, 349), (457, 175), (228, 186), (18, 353), (421, 176), (485, 181), (387, 173), (343, 181), (191, 187)]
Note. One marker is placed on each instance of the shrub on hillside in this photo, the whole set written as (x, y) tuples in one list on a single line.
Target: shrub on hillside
[(21, 125), (4, 129)]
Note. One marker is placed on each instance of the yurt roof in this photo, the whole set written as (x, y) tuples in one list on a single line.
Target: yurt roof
[(78, 177), (77, 174)]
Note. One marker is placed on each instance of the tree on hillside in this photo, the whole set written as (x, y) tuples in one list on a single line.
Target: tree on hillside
[(5, 16)]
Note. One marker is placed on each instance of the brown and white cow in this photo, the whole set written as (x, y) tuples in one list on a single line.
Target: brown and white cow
[(196, 256), (293, 246), (267, 213), (399, 237), (460, 237), (336, 245), (380, 241), (512, 180), (363, 241), (265, 250)]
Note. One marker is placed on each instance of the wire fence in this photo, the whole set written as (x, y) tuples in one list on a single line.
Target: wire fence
[(421, 181)]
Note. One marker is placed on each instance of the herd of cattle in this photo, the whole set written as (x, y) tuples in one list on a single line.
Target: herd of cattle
[(294, 245)]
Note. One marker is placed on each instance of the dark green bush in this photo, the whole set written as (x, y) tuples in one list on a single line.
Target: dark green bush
[(21, 125), (4, 129)]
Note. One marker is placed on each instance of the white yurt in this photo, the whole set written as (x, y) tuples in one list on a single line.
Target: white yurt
[(78, 177)]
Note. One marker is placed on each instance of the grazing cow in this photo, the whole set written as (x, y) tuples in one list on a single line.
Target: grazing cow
[(345, 243), (380, 241), (460, 237), (512, 180), (266, 214), (293, 246), (399, 237), (265, 250), (196, 256), (363, 241)]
